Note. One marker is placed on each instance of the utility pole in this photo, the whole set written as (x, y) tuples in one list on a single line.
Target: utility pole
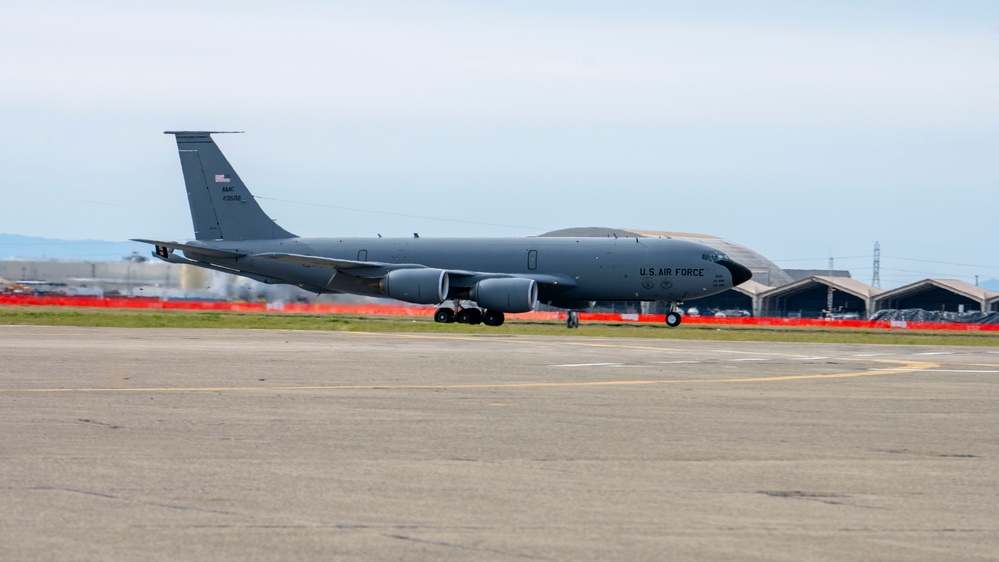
[(829, 293), (876, 280)]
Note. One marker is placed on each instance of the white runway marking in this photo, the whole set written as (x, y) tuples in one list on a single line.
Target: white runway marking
[(944, 370), (589, 365), (957, 371), (787, 358)]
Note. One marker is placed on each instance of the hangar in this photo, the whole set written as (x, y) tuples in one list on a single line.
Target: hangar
[(809, 298), (945, 295)]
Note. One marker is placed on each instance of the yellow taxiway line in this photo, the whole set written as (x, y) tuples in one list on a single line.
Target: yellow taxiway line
[(899, 368)]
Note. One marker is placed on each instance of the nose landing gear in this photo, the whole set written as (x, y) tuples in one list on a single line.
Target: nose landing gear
[(673, 317), (572, 319)]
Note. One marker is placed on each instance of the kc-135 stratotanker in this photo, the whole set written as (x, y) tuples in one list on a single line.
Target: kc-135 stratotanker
[(481, 278)]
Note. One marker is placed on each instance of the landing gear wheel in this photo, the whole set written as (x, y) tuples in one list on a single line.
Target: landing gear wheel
[(673, 319), (572, 320), (493, 318), (476, 316), (469, 316), (444, 316)]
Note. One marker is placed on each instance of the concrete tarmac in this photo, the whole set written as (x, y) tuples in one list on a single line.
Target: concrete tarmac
[(120, 444)]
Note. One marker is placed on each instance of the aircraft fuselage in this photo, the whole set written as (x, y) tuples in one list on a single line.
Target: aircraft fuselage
[(583, 269)]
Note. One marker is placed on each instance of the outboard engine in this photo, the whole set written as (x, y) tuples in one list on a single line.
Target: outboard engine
[(419, 286)]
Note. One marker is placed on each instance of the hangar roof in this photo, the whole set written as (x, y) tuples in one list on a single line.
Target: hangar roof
[(752, 288), (845, 284), (799, 274), (764, 271), (956, 286)]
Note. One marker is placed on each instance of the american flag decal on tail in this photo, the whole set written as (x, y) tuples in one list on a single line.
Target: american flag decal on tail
[(222, 178)]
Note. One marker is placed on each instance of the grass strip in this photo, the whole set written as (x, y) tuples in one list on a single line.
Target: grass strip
[(129, 318)]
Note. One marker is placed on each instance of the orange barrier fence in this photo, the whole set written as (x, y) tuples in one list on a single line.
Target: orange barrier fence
[(399, 310)]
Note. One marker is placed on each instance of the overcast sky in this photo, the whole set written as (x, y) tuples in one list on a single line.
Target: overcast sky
[(801, 130)]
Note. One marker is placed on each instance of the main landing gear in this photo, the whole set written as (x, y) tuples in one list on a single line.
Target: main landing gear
[(446, 315), (673, 317)]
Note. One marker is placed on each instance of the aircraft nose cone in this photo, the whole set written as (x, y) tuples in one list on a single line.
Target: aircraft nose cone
[(740, 273)]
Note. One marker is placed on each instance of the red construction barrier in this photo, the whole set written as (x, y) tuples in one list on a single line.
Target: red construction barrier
[(795, 322), (399, 310)]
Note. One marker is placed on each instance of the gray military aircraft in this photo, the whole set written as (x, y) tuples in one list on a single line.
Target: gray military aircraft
[(492, 276)]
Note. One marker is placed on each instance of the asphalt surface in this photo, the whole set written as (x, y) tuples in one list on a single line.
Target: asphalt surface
[(166, 444)]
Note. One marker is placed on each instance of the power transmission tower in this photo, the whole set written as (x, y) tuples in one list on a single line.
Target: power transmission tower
[(876, 281)]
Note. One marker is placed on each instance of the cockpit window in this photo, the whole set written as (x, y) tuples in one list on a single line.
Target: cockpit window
[(714, 256)]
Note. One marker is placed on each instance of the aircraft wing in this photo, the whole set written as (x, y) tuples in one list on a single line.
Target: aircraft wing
[(210, 252), (459, 277), (335, 263)]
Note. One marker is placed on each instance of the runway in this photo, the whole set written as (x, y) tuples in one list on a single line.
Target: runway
[(259, 445)]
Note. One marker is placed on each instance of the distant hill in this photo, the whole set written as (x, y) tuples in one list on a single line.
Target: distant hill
[(17, 247), (990, 285)]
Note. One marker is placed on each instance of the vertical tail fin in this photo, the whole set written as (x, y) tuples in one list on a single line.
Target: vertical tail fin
[(222, 208)]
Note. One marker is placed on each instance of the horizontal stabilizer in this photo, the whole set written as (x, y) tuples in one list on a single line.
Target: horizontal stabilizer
[(210, 252)]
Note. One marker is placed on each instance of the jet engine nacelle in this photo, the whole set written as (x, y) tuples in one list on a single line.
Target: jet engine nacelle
[(420, 286), (506, 294)]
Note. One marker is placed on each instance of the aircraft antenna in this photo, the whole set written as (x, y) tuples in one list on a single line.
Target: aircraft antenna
[(876, 280)]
